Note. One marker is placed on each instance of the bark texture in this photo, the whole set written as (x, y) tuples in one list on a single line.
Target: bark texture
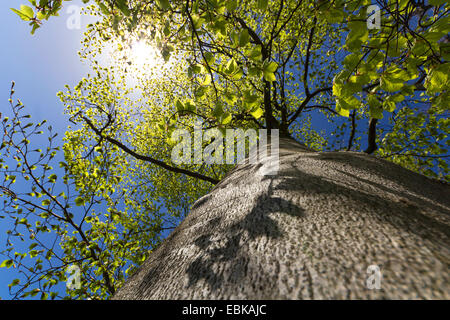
[(310, 232)]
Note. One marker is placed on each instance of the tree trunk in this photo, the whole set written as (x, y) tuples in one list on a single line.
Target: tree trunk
[(314, 231)]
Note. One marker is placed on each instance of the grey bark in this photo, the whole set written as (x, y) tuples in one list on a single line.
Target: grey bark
[(310, 232)]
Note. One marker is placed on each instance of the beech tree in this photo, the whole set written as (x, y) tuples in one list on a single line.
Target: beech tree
[(257, 64)]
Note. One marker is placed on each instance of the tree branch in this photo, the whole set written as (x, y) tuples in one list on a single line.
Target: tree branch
[(150, 159), (352, 134), (372, 136), (308, 53), (306, 101)]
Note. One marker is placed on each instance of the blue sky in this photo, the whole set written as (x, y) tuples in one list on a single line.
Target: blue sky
[(40, 65)]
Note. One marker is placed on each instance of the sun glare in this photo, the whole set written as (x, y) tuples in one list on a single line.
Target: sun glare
[(140, 58), (143, 55)]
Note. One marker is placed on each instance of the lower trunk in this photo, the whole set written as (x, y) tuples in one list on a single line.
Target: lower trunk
[(319, 229)]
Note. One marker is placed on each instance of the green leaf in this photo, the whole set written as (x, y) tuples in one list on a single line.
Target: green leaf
[(437, 2), (79, 201), (437, 79), (257, 113), (163, 4), (389, 105), (231, 5), (33, 253), (392, 79), (255, 54), (219, 27), (397, 97), (243, 38), (6, 263), (179, 105), (21, 15), (254, 71), (269, 76), (262, 4), (420, 47), (123, 6), (197, 21), (337, 89), (198, 69), (333, 15), (373, 102), (35, 27), (231, 67), (375, 109), (271, 66), (225, 118), (376, 113), (352, 60), (103, 9), (341, 111), (209, 57), (249, 100), (269, 71), (387, 85), (190, 105), (357, 36), (218, 110), (15, 282), (347, 103), (26, 10), (238, 74), (206, 81)]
